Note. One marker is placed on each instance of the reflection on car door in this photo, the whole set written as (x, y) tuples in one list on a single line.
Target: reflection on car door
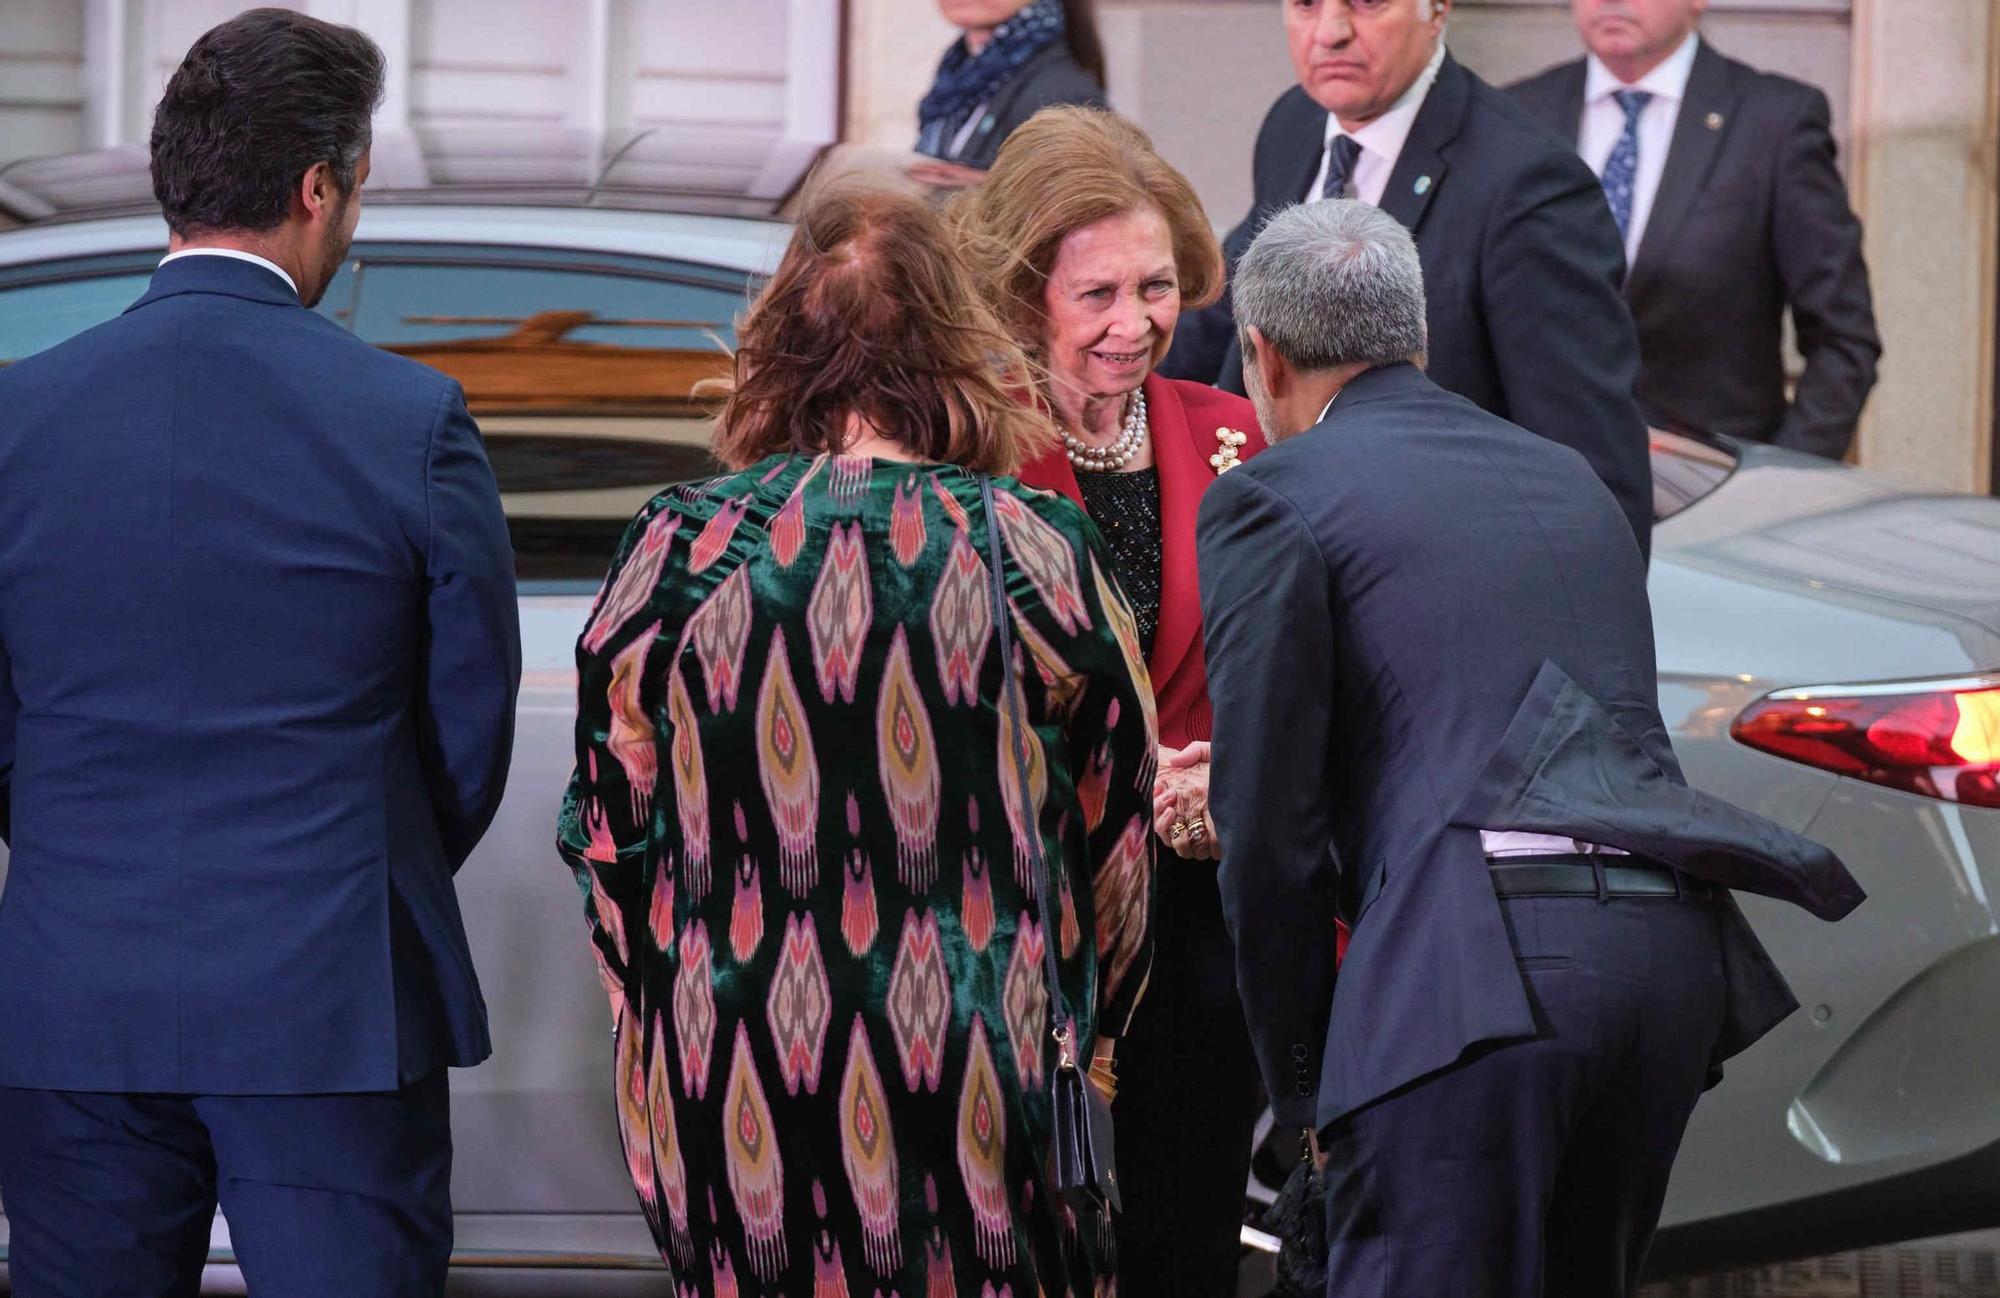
[(580, 368)]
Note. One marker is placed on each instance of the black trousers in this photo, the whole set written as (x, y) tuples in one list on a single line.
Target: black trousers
[(334, 1195), (1536, 1169), (1187, 1103)]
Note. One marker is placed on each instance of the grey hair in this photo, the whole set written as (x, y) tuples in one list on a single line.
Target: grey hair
[(1333, 283)]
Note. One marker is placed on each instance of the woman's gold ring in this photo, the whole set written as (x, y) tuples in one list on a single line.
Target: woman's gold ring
[(1198, 828)]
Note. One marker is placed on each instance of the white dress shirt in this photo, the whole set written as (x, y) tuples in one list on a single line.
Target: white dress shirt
[(1503, 843), (1381, 140), (239, 255), (1603, 122)]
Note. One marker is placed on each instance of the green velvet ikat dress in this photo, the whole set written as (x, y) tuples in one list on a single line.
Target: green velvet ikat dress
[(797, 824)]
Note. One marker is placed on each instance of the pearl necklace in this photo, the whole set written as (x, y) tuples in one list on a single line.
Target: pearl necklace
[(1105, 459)]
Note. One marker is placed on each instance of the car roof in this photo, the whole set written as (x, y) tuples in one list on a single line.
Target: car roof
[(731, 243), (717, 170)]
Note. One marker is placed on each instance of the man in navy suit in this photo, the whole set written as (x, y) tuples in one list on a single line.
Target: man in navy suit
[(1436, 718), (258, 661), (1521, 259), (1722, 180)]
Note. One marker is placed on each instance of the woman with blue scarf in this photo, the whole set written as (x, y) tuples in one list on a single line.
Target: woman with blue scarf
[(1012, 59)]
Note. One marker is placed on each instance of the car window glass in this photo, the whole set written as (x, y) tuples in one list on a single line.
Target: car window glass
[(581, 373), (37, 316), (404, 303), (1685, 470), (580, 367)]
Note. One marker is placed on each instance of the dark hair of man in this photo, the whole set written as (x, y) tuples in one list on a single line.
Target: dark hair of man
[(1086, 45), (255, 104)]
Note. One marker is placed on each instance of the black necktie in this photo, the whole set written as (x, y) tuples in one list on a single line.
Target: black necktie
[(1341, 152)]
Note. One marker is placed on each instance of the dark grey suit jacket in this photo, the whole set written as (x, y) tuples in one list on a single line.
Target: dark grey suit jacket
[(1522, 263), (1422, 622), (1051, 77), (1751, 217)]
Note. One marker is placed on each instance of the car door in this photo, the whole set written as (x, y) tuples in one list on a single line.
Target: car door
[(580, 369)]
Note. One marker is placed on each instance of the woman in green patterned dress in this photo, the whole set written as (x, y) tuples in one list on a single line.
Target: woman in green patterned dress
[(796, 819)]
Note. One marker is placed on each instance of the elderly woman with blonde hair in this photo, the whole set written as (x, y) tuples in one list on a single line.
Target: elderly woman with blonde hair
[(846, 862), (1089, 246)]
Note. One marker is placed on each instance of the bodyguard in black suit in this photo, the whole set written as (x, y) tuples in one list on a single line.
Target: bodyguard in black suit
[(1749, 216), (1442, 678), (1520, 257)]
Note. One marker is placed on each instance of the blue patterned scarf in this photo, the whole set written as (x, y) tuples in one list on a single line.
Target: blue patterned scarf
[(965, 81)]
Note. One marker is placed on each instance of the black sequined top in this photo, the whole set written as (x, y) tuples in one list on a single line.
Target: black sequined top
[(1126, 508)]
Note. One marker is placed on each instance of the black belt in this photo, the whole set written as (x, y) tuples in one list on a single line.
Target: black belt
[(1579, 876)]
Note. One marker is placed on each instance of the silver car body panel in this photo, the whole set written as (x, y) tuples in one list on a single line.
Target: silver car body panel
[(1798, 573), (733, 243)]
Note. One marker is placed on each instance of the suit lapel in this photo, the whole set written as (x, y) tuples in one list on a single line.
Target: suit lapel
[(1301, 150), (1184, 474), (1570, 96), (1691, 156), (1052, 471), (1420, 169), (980, 146)]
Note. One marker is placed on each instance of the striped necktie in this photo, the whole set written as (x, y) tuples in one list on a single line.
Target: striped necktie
[(1341, 153)]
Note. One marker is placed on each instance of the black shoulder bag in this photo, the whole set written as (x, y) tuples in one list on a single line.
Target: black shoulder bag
[(1080, 1121)]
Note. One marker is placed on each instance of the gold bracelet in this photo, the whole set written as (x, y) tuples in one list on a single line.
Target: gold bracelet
[(1104, 1076)]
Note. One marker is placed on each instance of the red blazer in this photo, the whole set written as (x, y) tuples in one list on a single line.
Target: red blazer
[(1184, 418)]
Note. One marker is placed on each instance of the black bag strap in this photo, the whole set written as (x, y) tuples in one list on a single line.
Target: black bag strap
[(1014, 703)]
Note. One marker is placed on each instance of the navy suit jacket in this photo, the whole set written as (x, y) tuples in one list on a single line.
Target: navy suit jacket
[(259, 652), (1522, 263), (1751, 217), (1448, 631)]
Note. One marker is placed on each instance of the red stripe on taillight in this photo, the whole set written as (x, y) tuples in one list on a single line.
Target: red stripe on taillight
[(1940, 739)]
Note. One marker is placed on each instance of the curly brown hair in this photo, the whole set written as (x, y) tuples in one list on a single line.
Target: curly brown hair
[(872, 313), (1063, 169)]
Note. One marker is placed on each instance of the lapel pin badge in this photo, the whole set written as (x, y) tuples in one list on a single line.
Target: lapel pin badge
[(1715, 121), (1423, 185)]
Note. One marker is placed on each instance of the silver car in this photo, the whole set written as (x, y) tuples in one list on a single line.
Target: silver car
[(1829, 656)]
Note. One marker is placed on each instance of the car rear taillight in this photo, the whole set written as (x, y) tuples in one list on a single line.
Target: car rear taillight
[(1937, 738)]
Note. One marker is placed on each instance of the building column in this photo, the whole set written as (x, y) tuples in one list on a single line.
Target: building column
[(1926, 182), (893, 47), (388, 23)]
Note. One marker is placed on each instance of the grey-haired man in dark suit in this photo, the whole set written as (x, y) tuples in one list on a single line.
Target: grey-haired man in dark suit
[(1521, 259), (1436, 718)]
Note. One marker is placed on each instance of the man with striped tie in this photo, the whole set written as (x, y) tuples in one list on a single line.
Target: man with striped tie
[(1722, 180), (1521, 259)]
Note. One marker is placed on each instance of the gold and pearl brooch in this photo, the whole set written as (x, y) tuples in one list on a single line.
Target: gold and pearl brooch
[(1226, 456)]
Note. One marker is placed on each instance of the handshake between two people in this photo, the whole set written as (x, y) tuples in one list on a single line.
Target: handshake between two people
[(1180, 804)]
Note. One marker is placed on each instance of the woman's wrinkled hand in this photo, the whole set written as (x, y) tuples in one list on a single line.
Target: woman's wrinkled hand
[(1180, 804)]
